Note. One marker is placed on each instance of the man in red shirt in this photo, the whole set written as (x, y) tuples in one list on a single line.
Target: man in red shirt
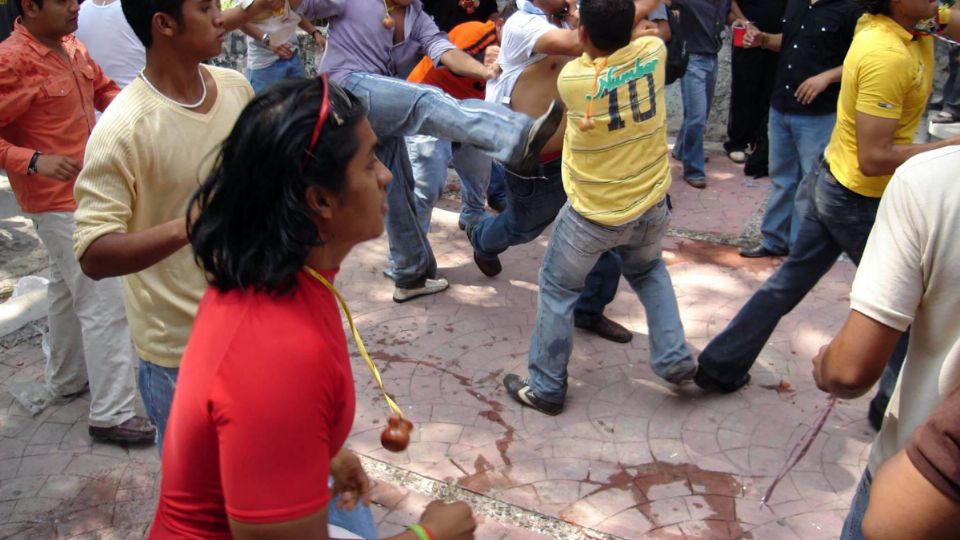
[(49, 88)]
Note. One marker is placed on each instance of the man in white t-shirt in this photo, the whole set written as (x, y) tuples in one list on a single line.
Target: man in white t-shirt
[(907, 278), (110, 40)]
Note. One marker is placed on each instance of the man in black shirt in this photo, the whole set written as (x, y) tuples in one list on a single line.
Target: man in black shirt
[(8, 14), (450, 13), (752, 72), (701, 21), (814, 41)]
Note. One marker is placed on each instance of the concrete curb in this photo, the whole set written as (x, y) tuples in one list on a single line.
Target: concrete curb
[(18, 312)]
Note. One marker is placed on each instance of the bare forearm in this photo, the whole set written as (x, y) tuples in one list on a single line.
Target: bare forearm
[(119, 254), (771, 42), (463, 64), (833, 75), (249, 30), (735, 12), (856, 357), (884, 160)]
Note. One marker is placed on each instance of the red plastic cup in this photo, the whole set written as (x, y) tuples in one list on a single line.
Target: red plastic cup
[(738, 33)]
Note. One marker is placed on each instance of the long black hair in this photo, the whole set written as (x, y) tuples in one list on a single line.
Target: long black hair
[(876, 7), (254, 228)]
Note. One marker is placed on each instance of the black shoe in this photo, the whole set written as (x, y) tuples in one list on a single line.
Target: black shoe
[(490, 266), (698, 183), (605, 328), (758, 251), (710, 384), (537, 137), (519, 389), (136, 430)]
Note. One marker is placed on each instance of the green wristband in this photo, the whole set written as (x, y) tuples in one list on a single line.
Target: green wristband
[(421, 533)]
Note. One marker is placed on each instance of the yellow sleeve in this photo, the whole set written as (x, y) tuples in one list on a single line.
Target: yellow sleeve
[(943, 14), (884, 79), (105, 190)]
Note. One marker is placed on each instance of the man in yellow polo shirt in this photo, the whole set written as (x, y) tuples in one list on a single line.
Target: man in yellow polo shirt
[(616, 175), (887, 77)]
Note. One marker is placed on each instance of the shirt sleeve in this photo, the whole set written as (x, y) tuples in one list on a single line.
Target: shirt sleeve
[(888, 286), (105, 190), (15, 101), (884, 79), (433, 41), (934, 448), (321, 9), (104, 89), (274, 429)]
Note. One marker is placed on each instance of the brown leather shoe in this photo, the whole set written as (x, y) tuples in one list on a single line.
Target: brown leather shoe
[(490, 266), (135, 430), (606, 328)]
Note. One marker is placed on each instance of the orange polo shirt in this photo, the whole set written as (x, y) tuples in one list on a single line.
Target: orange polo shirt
[(472, 38), (46, 105)]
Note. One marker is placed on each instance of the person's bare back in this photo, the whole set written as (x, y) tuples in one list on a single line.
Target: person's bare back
[(535, 89)]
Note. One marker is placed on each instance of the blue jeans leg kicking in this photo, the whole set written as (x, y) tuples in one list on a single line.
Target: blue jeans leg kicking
[(838, 220), (575, 246), (697, 87), (156, 385), (474, 168), (263, 78), (400, 108), (497, 189), (796, 146)]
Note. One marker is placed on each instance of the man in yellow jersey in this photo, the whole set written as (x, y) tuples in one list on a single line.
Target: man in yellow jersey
[(886, 80), (616, 175)]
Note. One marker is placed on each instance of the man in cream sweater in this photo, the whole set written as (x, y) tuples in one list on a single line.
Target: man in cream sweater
[(145, 158)]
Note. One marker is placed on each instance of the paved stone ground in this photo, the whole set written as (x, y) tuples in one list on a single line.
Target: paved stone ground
[(630, 457)]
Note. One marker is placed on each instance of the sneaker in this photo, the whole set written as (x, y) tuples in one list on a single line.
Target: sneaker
[(944, 117), (519, 389), (737, 156), (710, 384), (430, 286), (698, 183), (683, 376), (537, 137), (759, 251), (489, 266), (135, 430)]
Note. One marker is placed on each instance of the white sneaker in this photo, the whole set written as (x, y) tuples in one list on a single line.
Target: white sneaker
[(737, 156), (430, 286)]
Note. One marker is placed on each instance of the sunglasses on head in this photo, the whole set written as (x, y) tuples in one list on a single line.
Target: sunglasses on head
[(325, 112)]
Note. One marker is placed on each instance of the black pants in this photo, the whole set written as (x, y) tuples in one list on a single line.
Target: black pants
[(753, 72)]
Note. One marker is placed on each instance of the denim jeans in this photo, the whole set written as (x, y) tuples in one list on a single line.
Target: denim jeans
[(696, 86), (858, 508), (429, 157), (532, 205), (838, 221), (359, 521), (497, 189), (796, 145), (263, 78), (156, 385), (400, 108), (575, 246)]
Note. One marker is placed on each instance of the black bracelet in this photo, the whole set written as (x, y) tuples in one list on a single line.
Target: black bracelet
[(32, 167)]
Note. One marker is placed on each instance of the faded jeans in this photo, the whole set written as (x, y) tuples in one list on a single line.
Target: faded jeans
[(157, 384), (89, 337), (397, 108), (796, 146), (574, 248), (263, 78), (858, 508), (429, 158)]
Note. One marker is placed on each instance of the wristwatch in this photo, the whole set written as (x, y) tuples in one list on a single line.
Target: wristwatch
[(32, 167), (265, 40)]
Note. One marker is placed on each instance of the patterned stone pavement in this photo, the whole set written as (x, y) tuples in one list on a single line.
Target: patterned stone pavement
[(630, 457)]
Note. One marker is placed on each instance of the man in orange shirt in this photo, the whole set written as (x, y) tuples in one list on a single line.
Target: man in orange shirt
[(429, 156), (49, 88)]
